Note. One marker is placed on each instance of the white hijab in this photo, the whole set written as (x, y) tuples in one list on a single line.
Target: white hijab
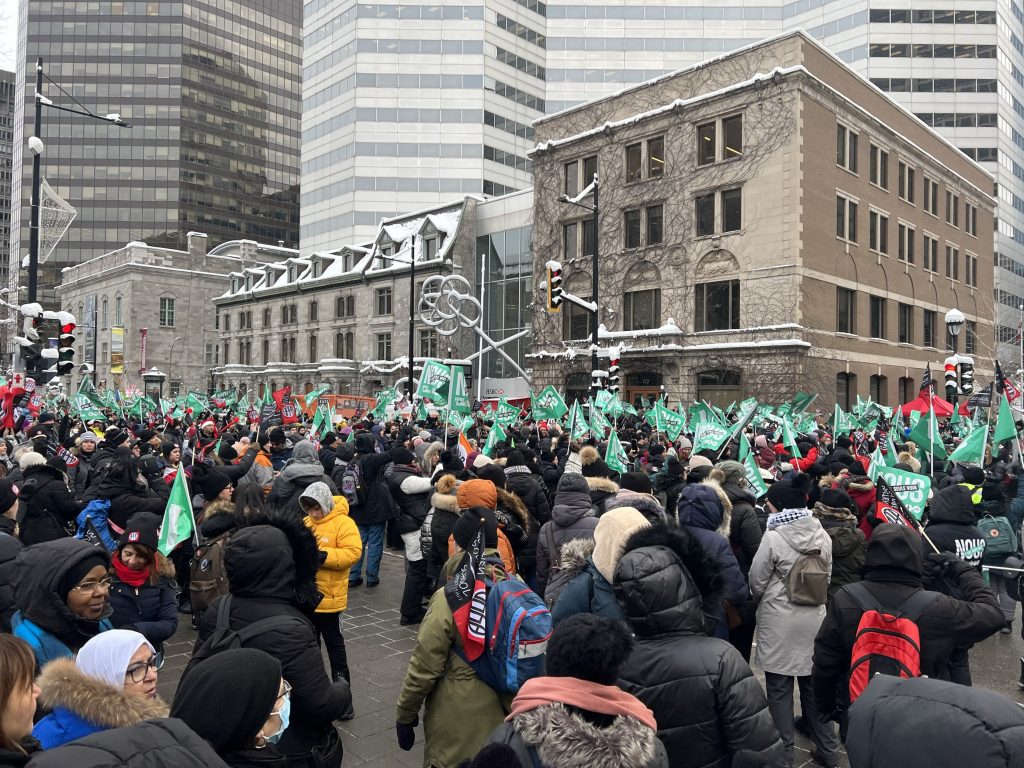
[(107, 655)]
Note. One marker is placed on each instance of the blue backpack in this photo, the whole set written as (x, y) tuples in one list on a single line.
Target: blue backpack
[(93, 525), (518, 628)]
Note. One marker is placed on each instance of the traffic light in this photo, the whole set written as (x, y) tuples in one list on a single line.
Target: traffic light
[(554, 286), (951, 390), (66, 344), (29, 348), (966, 377), (613, 371)]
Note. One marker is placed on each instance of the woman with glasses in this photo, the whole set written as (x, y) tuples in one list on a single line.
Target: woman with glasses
[(111, 684), (237, 701), (141, 595), (62, 591)]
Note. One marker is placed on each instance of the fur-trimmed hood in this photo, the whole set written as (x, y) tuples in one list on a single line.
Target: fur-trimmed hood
[(706, 505), (834, 514), (862, 484), (218, 517), (664, 579), (563, 738), (64, 686), (602, 485), (514, 505), (644, 503), (573, 554), (444, 494)]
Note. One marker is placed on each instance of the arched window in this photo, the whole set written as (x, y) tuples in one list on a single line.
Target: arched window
[(314, 355), (846, 390), (314, 311), (907, 391), (117, 312), (350, 345), (879, 389), (103, 313)]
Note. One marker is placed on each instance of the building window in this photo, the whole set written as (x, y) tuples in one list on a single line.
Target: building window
[(291, 350), (227, 352), (641, 310), (707, 143), (931, 196), (971, 219), (710, 149), (578, 174), (570, 240), (655, 220), (429, 343), (732, 210), (209, 355), (227, 321), (265, 349), (931, 254), (906, 323), (846, 310), (952, 262), (907, 389), (928, 336), (429, 249), (705, 214), (295, 313), (878, 232), (382, 302), (314, 311), (971, 337), (345, 306), (846, 148), (103, 313), (717, 306), (877, 317), (878, 389), (971, 270), (631, 226), (117, 312), (166, 312), (952, 208), (284, 314), (344, 343), (383, 346), (645, 159), (846, 219), (314, 355), (577, 323), (879, 167), (266, 317), (635, 233), (846, 390), (906, 243), (906, 182)]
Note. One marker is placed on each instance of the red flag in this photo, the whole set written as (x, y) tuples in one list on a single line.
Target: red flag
[(466, 595), (282, 396), (1011, 392)]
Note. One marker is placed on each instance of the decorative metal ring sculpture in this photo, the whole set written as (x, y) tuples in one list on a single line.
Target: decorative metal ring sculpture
[(447, 304)]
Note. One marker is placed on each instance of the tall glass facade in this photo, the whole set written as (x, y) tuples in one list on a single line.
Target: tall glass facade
[(506, 260), (211, 88)]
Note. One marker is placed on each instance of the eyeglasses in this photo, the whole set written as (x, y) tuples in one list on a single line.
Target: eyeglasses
[(92, 586), (137, 672)]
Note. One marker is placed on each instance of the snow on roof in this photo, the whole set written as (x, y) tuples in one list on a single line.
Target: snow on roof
[(668, 329), (573, 352)]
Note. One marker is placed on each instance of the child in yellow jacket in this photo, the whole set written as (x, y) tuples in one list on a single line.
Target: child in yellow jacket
[(337, 537)]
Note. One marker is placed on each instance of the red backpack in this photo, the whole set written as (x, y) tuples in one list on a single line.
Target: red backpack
[(887, 642)]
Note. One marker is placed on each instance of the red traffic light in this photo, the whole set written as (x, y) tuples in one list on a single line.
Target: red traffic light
[(67, 328)]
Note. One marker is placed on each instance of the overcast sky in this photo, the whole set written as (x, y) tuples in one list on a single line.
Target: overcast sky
[(8, 33)]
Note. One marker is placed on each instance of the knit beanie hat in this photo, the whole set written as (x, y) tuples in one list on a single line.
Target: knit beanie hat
[(733, 471), (477, 493), (495, 474), (613, 530), (572, 482), (167, 448), (77, 572), (210, 481), (466, 527), (208, 697), (636, 481), (8, 495), (147, 434), (699, 461), (837, 498), (761, 441), (588, 647), (30, 459), (115, 436), (974, 475), (142, 528), (593, 464), (789, 493), (402, 455)]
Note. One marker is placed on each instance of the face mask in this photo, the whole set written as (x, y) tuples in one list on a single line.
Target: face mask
[(283, 713)]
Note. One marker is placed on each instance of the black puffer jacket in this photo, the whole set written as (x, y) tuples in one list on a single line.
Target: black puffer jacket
[(118, 482), (951, 525), (442, 522), (411, 500), (271, 566), (707, 702), (572, 517), (954, 725), (744, 528), (151, 609), (10, 546), (531, 491), (377, 506), (49, 505)]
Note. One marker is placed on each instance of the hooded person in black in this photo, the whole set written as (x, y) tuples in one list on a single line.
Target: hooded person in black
[(228, 701), (302, 470), (271, 567), (894, 570)]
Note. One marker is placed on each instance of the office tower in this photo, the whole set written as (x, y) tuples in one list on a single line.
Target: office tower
[(211, 89)]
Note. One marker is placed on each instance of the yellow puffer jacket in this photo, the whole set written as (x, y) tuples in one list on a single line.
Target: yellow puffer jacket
[(337, 535)]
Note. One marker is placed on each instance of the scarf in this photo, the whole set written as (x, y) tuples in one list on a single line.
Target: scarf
[(127, 575), (786, 516), (583, 694)]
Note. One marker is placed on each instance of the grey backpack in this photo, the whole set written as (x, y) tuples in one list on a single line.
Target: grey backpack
[(807, 581)]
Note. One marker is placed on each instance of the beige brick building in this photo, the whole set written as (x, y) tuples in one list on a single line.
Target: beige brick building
[(769, 222)]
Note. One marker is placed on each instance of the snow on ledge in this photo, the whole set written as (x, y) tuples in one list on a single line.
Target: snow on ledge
[(668, 329), (572, 353)]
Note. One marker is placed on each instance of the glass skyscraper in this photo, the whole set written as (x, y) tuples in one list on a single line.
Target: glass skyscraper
[(211, 88)]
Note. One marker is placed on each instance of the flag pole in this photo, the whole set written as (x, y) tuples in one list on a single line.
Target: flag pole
[(931, 427)]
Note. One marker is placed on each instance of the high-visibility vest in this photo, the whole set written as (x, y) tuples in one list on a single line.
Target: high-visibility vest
[(975, 492)]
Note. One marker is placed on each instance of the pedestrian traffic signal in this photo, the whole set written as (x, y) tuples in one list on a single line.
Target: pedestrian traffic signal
[(613, 372), (66, 344), (951, 390), (554, 286), (966, 377)]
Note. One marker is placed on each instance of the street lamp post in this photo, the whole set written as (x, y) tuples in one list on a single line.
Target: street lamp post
[(954, 322), (594, 189)]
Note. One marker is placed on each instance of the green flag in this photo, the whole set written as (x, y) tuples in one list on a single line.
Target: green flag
[(548, 404), (495, 436), (604, 397), (926, 434), (1005, 428), (458, 397), (789, 441), (801, 402), (321, 424), (578, 428), (709, 437), (434, 380), (313, 396), (87, 410), (598, 423), (86, 388), (753, 474), (178, 523), (911, 487), (669, 422), (972, 449), (615, 456)]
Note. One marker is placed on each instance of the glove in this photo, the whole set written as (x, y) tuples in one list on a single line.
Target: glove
[(407, 734), (940, 564)]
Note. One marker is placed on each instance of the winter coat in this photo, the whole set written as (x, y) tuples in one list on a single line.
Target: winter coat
[(49, 505), (944, 624), (706, 512), (164, 743), (80, 474), (951, 525), (644, 503), (706, 700), (572, 517), (338, 537), (862, 491), (10, 758), (442, 521), (271, 566), (302, 470), (82, 705), (411, 492), (519, 528), (150, 609), (550, 473), (589, 591), (848, 544), (376, 508), (43, 619), (261, 473), (744, 528), (460, 710), (10, 547), (601, 489), (126, 498), (531, 491), (958, 725), (785, 631), (562, 738)]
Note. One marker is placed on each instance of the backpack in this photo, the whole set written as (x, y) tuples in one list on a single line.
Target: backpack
[(518, 628), (807, 581), (225, 638), (208, 578), (887, 642), (352, 484), (558, 577), (94, 525), (999, 536)]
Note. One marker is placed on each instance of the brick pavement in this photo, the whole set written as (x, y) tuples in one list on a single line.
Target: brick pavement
[(378, 652)]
